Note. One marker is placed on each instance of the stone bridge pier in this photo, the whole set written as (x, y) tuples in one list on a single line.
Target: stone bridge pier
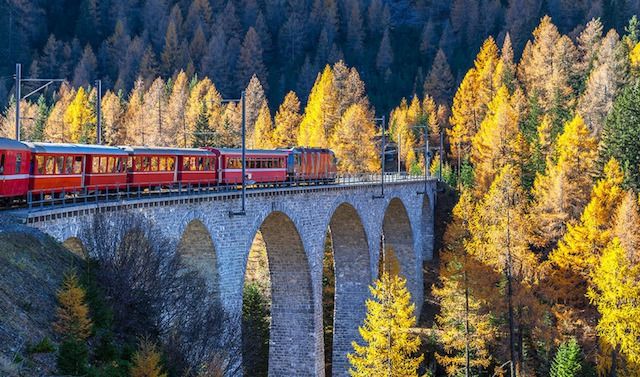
[(294, 224)]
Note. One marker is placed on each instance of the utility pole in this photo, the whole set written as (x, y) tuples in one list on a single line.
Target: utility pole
[(242, 101), (398, 148), (441, 153), (383, 154), (20, 97), (99, 112)]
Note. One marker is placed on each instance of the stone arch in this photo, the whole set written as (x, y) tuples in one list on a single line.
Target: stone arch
[(197, 252), (292, 333), (352, 271), (398, 235), (427, 228), (76, 246)]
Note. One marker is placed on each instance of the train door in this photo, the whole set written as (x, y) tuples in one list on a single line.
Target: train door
[(18, 163)]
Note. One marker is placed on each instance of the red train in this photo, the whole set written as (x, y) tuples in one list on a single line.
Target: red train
[(46, 168)]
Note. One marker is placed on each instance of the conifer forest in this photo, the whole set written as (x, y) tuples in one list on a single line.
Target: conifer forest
[(534, 107)]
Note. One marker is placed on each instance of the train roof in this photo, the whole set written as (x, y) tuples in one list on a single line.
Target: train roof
[(166, 150), (249, 151), (60, 148), (305, 149), (10, 144)]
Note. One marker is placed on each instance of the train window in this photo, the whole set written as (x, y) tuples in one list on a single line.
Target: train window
[(111, 165), (137, 162), (68, 166), (77, 165), (162, 164), (146, 163), (2, 164), (49, 165), (154, 163), (40, 164), (171, 163), (95, 164), (119, 165), (18, 162), (60, 165)]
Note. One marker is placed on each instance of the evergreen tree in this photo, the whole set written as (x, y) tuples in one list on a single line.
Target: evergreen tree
[(255, 331), (568, 360), (42, 113), (203, 135), (621, 134), (389, 348)]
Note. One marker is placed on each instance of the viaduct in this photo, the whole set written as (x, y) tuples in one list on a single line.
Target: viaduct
[(294, 223)]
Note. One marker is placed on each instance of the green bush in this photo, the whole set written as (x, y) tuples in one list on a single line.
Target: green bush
[(44, 346)]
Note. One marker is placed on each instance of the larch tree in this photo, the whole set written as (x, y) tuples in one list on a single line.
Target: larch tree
[(287, 122), (384, 58), (153, 126), (251, 60), (562, 192), (134, 115), (354, 141), (466, 116), (175, 122), (388, 348), (254, 98), (440, 81), (86, 69), (172, 54), (621, 134), (147, 361), (262, 137), (112, 119), (72, 314), (501, 236), (497, 141), (80, 117), (581, 247), (463, 292), (56, 129), (321, 114), (403, 135)]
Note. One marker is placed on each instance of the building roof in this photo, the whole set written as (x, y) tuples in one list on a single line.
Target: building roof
[(60, 148), (10, 144)]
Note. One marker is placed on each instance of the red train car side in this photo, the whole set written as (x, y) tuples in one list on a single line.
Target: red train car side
[(150, 166), (14, 168), (263, 166), (311, 164), (198, 166)]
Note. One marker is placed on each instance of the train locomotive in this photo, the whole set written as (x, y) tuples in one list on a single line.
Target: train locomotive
[(50, 168)]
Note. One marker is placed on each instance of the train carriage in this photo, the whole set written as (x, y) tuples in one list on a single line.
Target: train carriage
[(151, 166), (262, 166), (198, 166), (14, 168), (311, 164)]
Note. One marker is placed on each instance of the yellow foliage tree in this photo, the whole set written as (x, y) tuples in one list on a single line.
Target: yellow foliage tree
[(465, 285), (403, 134), (465, 116), (321, 114), (262, 133), (73, 313), (634, 59), (562, 192), (146, 361), (498, 141), (81, 119), (287, 122), (353, 141), (389, 348), (616, 294)]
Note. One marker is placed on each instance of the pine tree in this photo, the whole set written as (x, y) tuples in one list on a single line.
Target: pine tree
[(80, 118), (147, 361), (255, 331), (321, 114), (203, 135), (562, 192), (42, 113), (389, 348), (568, 360), (287, 122), (621, 135), (262, 137), (353, 141)]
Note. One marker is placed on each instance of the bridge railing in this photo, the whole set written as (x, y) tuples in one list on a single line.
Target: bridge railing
[(40, 199)]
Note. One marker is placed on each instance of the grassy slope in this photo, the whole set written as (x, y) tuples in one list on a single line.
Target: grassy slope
[(31, 269)]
